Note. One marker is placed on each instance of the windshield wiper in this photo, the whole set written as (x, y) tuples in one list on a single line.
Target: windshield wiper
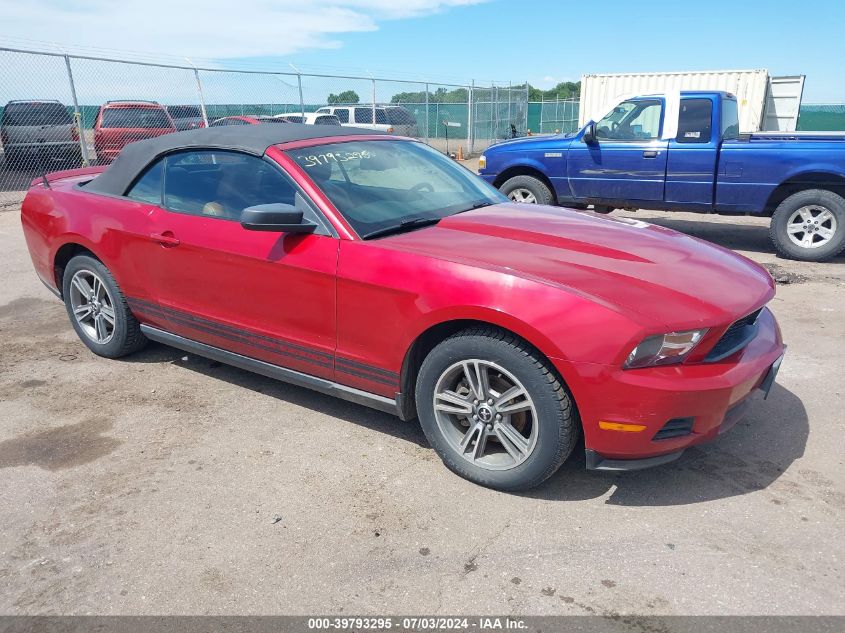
[(474, 206), (405, 225)]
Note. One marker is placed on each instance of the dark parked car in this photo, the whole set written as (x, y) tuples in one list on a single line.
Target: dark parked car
[(37, 134), (186, 117), (247, 119)]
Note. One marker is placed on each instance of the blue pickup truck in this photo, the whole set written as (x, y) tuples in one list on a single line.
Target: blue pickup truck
[(684, 152)]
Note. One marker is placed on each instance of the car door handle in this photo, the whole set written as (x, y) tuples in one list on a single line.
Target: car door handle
[(650, 153), (166, 238)]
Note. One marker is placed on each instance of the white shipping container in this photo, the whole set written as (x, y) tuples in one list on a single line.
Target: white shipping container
[(599, 93)]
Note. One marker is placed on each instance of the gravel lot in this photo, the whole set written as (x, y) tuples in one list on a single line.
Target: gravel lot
[(167, 483)]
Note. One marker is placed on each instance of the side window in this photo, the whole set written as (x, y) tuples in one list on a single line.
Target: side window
[(342, 115), (363, 115), (730, 119), (695, 123), (221, 184), (148, 187), (631, 121)]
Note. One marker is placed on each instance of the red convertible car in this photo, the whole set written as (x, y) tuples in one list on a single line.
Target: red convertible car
[(378, 270)]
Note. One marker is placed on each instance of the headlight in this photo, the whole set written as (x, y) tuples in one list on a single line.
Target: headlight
[(664, 349), (482, 162)]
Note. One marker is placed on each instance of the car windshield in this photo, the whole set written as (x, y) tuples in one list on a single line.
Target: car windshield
[(135, 118), (36, 114), (387, 186)]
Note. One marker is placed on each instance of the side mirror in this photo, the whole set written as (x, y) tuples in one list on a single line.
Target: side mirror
[(284, 218), (590, 133)]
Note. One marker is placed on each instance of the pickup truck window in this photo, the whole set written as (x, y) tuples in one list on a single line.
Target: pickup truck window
[(730, 119), (637, 120), (342, 115), (695, 123)]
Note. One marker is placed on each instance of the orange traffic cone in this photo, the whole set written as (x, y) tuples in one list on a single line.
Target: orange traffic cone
[(460, 152)]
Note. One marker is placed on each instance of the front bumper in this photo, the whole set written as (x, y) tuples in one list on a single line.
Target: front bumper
[(715, 395)]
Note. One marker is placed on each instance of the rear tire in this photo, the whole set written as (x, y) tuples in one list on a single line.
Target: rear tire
[(602, 208), (97, 309), (472, 424), (527, 190), (809, 226)]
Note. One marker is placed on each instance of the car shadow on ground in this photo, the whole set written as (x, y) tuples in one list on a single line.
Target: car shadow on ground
[(748, 458), (753, 238), (300, 396)]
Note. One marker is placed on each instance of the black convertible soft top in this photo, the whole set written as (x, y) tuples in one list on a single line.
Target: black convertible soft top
[(252, 139)]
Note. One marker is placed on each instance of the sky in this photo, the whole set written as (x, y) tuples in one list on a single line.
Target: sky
[(541, 41)]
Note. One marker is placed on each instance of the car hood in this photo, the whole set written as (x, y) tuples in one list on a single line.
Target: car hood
[(660, 274), (526, 142)]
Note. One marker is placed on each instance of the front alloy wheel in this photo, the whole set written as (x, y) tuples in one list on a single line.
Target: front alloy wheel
[(495, 409), (486, 414)]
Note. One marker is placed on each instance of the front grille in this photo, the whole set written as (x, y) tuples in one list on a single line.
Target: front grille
[(676, 427), (737, 336)]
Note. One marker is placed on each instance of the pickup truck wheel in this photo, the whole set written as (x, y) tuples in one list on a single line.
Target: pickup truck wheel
[(809, 226), (494, 410), (98, 310), (527, 189)]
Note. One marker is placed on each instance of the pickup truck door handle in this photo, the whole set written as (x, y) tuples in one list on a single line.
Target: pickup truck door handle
[(166, 238), (650, 153)]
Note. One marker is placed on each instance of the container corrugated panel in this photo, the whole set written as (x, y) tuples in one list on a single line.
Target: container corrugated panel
[(601, 92)]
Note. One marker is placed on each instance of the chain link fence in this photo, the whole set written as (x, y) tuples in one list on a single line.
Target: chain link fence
[(65, 110), (559, 116)]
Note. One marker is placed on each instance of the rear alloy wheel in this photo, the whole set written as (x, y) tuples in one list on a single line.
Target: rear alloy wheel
[(520, 194), (809, 226), (494, 410), (528, 190), (98, 310)]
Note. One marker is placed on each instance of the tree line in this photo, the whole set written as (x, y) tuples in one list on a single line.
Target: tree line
[(563, 90)]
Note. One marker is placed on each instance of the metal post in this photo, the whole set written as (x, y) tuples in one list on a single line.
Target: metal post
[(301, 99), (427, 116), (510, 114), (77, 115), (557, 109), (202, 98), (470, 120), (495, 129), (542, 107), (527, 97), (374, 101)]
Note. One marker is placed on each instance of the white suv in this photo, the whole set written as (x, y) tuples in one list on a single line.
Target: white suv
[(360, 116), (393, 119)]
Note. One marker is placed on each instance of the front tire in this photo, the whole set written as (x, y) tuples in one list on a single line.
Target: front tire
[(809, 226), (494, 410), (97, 309), (527, 190)]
